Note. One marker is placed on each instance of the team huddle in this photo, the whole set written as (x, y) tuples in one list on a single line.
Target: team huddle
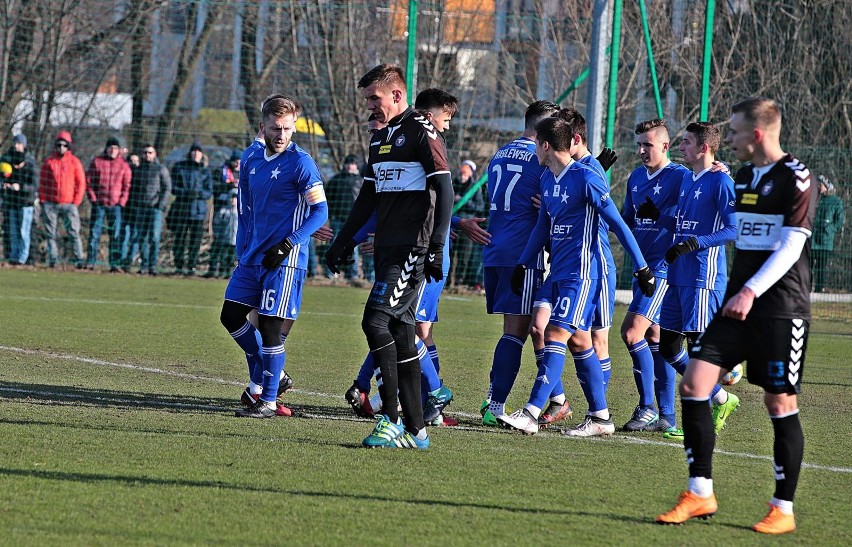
[(549, 200)]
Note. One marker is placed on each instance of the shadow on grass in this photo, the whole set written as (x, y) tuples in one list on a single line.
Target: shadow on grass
[(129, 480)]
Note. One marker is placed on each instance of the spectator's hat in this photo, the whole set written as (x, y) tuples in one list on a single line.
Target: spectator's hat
[(64, 136), (113, 141), (196, 146), (470, 164), (20, 138), (823, 181), (235, 155), (350, 159)]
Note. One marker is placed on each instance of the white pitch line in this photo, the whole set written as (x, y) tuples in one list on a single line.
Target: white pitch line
[(153, 370)]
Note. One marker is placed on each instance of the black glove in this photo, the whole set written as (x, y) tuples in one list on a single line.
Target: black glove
[(685, 246), (647, 281), (518, 275), (339, 253), (434, 266), (273, 257), (607, 158), (648, 210)]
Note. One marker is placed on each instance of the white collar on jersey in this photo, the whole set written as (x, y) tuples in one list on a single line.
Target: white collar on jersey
[(658, 171), (696, 176), (562, 173)]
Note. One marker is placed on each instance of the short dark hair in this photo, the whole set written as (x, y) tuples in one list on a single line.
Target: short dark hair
[(384, 75), (555, 131), (577, 121), (280, 105), (760, 111), (647, 125), (436, 98), (537, 111), (706, 133)]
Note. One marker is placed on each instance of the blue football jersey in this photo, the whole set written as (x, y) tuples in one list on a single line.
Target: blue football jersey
[(603, 236), (572, 200), (277, 192), (244, 209), (663, 188), (705, 206), (514, 176)]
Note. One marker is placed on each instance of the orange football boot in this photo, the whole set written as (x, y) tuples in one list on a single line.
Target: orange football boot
[(690, 506)]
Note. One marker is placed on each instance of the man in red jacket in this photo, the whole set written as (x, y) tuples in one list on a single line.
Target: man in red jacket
[(61, 189), (108, 188)]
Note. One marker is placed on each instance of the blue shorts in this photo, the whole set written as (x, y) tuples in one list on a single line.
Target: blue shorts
[(648, 306), (570, 301), (689, 309), (499, 297), (277, 293), (427, 301), (605, 302)]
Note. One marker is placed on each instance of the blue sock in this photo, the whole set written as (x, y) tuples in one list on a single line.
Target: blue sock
[(505, 366), (433, 353), (679, 361), (273, 364), (665, 378), (549, 371), (248, 338), (716, 389), (365, 374), (591, 378), (558, 388), (643, 372), (606, 367), (429, 380)]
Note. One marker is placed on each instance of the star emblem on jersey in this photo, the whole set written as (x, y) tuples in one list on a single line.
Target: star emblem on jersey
[(657, 189), (697, 193), (564, 197), (275, 172), (404, 275)]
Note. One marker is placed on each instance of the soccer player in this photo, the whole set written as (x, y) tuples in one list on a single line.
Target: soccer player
[(574, 198), (764, 319), (408, 185), (282, 199), (604, 304), (697, 273), (438, 107), (514, 176), (655, 184)]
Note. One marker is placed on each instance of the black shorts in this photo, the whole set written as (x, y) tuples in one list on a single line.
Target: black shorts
[(774, 350), (399, 273)]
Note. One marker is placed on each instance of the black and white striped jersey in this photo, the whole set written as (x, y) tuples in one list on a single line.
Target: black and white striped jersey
[(404, 156), (783, 197)]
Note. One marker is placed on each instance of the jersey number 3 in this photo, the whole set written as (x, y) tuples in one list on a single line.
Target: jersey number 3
[(507, 196)]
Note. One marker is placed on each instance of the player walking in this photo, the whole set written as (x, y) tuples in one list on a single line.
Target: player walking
[(765, 316)]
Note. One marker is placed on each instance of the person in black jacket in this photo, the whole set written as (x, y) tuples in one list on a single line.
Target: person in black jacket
[(149, 197), (192, 185), (18, 195)]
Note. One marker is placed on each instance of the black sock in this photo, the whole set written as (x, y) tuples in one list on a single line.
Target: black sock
[(386, 358), (787, 451), (699, 437), (409, 394)]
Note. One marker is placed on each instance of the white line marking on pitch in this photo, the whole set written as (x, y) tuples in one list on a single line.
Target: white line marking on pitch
[(153, 370)]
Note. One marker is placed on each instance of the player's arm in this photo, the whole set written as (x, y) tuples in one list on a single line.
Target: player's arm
[(725, 199), (367, 229), (539, 237), (341, 250)]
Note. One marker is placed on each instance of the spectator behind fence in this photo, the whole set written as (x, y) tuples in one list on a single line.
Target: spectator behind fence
[(149, 197), (192, 185), (468, 256), (830, 216), (18, 195), (61, 189), (108, 187), (341, 191), (223, 251)]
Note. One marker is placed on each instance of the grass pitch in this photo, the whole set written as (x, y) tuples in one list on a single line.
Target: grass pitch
[(116, 417)]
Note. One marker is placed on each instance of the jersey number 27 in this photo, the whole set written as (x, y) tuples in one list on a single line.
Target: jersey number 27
[(507, 196)]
